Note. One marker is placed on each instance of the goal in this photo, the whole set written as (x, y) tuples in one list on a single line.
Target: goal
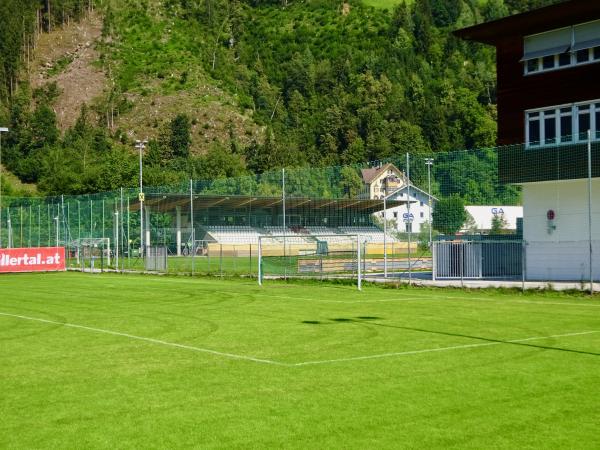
[(310, 256), (93, 254)]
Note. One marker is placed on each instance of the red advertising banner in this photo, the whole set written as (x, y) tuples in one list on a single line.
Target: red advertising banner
[(43, 259)]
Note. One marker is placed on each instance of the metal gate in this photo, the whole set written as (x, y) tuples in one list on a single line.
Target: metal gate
[(156, 259), (478, 260)]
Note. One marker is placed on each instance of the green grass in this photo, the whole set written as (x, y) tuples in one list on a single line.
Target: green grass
[(383, 4), (238, 265), (74, 387)]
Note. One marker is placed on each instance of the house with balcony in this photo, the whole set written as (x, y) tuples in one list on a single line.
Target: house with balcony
[(548, 75), (387, 181)]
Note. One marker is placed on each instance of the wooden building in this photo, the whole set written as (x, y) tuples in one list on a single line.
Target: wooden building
[(548, 69)]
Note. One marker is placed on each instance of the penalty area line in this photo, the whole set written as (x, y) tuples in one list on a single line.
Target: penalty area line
[(147, 339), (439, 349)]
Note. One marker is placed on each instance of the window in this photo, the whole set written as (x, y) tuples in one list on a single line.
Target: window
[(562, 124), (597, 122), (550, 127), (421, 203), (579, 44), (395, 215), (564, 59), (534, 64), (584, 122), (533, 129), (583, 56), (548, 62), (566, 124), (422, 214)]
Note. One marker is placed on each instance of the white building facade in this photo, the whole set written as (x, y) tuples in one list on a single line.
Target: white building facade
[(417, 215), (556, 230), (483, 216), (389, 182)]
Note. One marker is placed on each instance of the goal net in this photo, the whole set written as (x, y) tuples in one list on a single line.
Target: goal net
[(310, 256), (92, 253)]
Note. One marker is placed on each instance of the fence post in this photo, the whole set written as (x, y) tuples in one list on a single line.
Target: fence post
[(259, 261), (461, 262), (589, 157), (433, 249), (385, 267), (193, 236), (117, 240), (359, 279), (523, 265)]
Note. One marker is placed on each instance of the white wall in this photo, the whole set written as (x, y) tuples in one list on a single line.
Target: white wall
[(483, 215), (419, 212), (561, 253)]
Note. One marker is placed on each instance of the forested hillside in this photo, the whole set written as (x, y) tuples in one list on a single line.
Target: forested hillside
[(229, 87)]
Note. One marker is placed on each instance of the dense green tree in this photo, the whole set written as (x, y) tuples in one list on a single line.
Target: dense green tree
[(327, 88), (449, 215), (180, 139), (499, 224), (351, 183)]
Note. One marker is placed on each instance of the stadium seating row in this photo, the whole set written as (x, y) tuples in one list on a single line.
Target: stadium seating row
[(249, 235)]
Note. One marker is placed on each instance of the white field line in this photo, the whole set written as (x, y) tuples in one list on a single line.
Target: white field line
[(147, 339), (439, 349), (278, 363)]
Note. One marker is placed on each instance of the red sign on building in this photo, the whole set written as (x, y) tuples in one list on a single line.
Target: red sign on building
[(43, 259)]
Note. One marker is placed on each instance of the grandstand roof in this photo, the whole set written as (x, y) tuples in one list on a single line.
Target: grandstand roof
[(168, 202)]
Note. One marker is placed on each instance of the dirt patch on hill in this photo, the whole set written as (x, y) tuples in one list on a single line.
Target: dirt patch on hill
[(214, 114), (67, 56)]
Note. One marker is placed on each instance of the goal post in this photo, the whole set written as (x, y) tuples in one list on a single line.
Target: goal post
[(90, 251), (334, 256)]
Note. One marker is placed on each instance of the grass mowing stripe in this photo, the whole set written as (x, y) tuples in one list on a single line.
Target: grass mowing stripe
[(260, 292), (304, 363), (441, 349), (147, 339)]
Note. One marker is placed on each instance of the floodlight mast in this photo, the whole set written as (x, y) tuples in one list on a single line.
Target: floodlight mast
[(140, 146), (2, 130)]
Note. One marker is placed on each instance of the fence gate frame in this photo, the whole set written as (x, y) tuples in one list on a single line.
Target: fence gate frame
[(478, 259)]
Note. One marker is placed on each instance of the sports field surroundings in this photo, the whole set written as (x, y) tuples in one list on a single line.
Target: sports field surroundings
[(131, 361)]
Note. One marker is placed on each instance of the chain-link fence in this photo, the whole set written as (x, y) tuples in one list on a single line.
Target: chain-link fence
[(524, 211)]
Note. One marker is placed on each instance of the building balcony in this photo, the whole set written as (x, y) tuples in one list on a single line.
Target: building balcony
[(521, 164)]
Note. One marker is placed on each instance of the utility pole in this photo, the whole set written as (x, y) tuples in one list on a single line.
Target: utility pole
[(284, 229), (140, 146), (409, 227), (2, 130)]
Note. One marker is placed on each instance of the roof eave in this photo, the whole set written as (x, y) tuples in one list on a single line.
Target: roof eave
[(532, 22)]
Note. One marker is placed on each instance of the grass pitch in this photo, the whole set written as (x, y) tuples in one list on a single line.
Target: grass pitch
[(114, 361)]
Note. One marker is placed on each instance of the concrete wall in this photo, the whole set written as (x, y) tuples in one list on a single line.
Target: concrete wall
[(559, 250)]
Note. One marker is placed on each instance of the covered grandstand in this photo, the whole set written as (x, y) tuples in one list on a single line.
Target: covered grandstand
[(232, 220)]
